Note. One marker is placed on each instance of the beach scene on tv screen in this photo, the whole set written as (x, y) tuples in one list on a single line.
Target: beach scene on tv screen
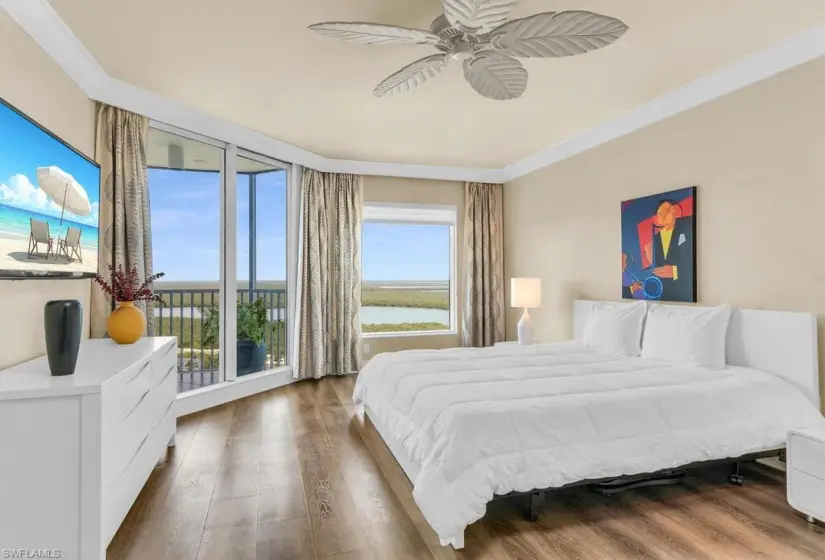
[(49, 202)]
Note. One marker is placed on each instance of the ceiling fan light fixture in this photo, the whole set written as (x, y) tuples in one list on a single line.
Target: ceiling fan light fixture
[(477, 33)]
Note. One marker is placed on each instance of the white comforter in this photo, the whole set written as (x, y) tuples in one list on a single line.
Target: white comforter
[(488, 421)]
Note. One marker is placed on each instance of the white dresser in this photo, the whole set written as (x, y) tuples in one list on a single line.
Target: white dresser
[(806, 472), (75, 451)]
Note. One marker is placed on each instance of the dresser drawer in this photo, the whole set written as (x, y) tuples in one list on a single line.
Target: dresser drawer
[(126, 390), (806, 494), (806, 455), (120, 493), (124, 393), (133, 408)]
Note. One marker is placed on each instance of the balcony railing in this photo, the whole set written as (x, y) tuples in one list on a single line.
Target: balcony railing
[(182, 317)]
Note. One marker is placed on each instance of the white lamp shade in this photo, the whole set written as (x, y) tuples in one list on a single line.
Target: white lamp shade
[(525, 292)]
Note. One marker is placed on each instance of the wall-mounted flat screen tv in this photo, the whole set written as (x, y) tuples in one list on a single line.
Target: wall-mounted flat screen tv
[(49, 202)]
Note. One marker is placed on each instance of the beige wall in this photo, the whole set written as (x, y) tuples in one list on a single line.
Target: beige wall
[(758, 159), (34, 84), (417, 191)]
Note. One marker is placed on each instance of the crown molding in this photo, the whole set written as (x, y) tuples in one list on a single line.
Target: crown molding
[(799, 49), (41, 22), (44, 25)]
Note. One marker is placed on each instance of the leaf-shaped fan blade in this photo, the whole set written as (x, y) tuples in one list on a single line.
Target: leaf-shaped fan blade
[(477, 15), (412, 75), (496, 76), (554, 34), (374, 33)]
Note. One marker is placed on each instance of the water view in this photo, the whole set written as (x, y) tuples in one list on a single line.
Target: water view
[(405, 268), (369, 315)]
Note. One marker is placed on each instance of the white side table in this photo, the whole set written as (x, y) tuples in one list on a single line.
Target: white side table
[(806, 472)]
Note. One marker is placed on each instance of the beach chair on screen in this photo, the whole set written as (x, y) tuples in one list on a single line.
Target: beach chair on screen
[(70, 245), (39, 234)]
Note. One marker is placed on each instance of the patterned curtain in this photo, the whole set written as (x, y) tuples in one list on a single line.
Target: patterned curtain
[(330, 275), (483, 321), (125, 229)]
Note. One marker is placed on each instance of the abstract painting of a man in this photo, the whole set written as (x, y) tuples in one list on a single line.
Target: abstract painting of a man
[(658, 247)]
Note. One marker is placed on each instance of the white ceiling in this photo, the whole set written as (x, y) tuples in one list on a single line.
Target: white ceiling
[(254, 63)]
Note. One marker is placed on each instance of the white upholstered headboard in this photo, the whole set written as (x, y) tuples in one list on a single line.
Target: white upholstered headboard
[(780, 342)]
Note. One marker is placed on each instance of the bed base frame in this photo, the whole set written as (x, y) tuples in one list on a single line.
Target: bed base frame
[(616, 485), (607, 486)]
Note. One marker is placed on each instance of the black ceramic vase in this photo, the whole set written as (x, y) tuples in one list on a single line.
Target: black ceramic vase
[(63, 321)]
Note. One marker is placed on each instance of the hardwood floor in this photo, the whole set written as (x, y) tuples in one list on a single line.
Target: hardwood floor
[(296, 473)]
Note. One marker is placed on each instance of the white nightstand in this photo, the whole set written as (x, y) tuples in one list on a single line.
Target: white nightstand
[(806, 472)]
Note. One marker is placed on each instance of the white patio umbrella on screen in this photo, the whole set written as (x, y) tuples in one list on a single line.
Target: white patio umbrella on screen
[(64, 191)]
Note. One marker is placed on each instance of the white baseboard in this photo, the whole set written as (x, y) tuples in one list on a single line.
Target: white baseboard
[(222, 393)]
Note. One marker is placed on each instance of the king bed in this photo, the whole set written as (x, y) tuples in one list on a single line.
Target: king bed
[(469, 424)]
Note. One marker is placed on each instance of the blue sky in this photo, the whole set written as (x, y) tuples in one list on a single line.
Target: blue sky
[(186, 225), (405, 252), (24, 148), (186, 229)]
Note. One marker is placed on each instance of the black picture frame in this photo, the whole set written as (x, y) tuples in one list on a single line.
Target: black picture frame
[(14, 274)]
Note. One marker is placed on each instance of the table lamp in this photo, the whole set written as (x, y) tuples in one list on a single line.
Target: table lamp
[(525, 293)]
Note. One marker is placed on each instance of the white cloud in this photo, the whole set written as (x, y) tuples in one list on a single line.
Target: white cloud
[(21, 193)]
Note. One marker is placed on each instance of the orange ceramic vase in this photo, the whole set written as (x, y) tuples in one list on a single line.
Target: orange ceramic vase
[(126, 323)]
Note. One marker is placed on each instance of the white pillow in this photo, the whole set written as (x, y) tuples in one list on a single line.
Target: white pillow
[(615, 328), (686, 335)]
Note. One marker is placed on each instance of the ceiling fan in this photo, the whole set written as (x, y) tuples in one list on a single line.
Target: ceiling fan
[(477, 32)]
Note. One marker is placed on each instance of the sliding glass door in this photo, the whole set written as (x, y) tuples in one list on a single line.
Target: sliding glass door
[(219, 233), (185, 190), (261, 229)]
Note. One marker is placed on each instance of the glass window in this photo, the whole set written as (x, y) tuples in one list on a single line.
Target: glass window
[(261, 264), (407, 269), (185, 190)]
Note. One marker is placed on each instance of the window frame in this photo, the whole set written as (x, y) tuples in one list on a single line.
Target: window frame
[(393, 213), (231, 387)]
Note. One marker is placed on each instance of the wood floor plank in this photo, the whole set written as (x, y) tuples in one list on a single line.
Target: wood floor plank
[(775, 507), (236, 480), (558, 527), (728, 538), (232, 513), (178, 525), (662, 541), (237, 542), (246, 421), (281, 491), (390, 531), (276, 425), (478, 545), (759, 520), (518, 544), (300, 473), (304, 416), (335, 524), (290, 539), (354, 555), (241, 450), (704, 538)]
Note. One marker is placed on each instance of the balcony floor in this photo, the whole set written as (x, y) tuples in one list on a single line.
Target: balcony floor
[(188, 381)]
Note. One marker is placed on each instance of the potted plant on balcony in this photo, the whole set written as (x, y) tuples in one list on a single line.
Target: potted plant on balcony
[(252, 325)]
